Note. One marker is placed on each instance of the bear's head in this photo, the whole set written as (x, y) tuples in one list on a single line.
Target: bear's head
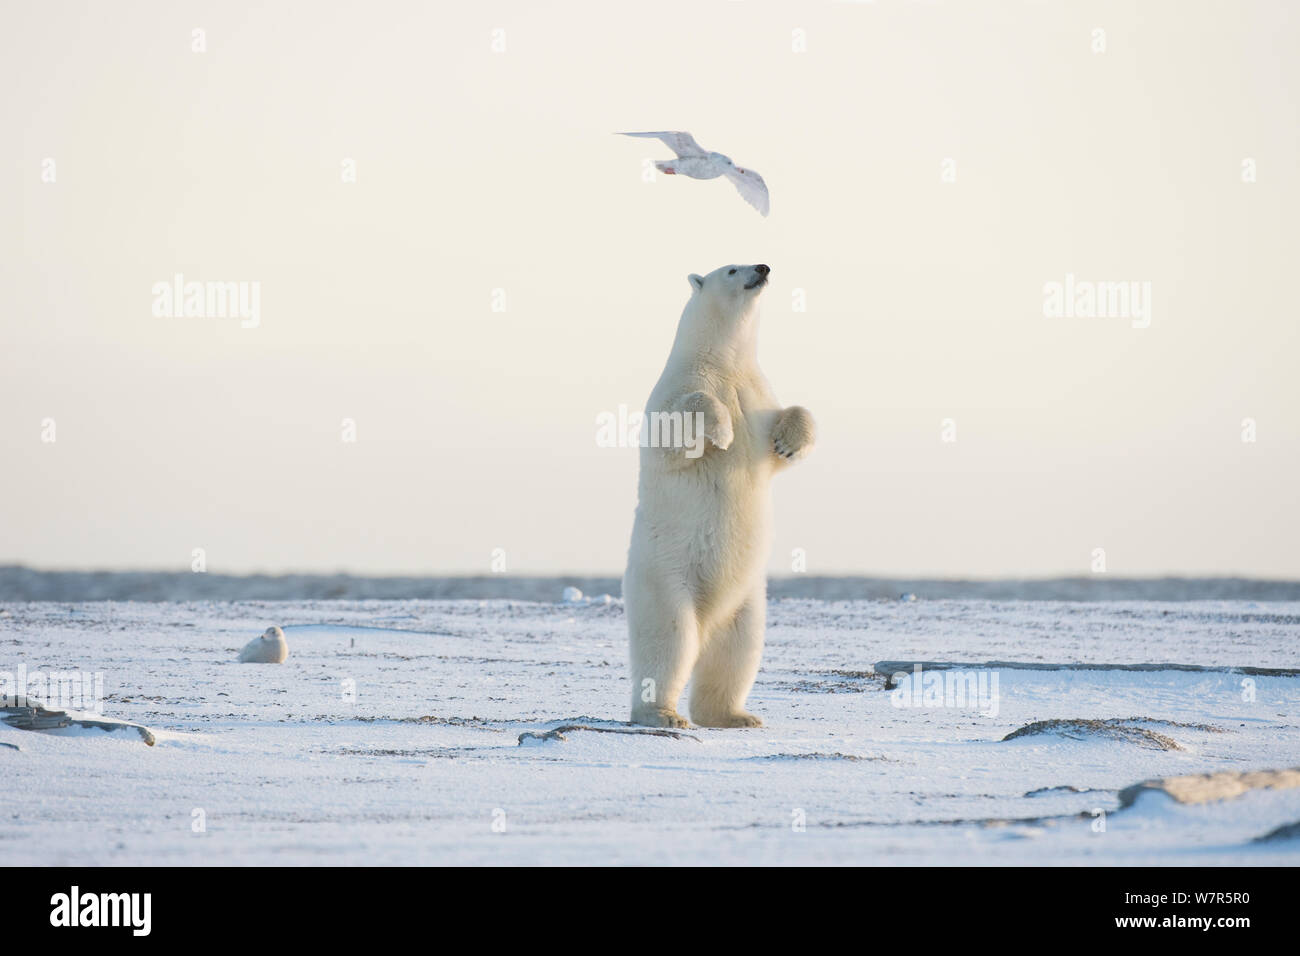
[(730, 289)]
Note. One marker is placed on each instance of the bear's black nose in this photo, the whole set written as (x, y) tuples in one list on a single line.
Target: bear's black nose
[(762, 270)]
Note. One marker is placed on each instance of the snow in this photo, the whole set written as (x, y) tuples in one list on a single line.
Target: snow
[(391, 735)]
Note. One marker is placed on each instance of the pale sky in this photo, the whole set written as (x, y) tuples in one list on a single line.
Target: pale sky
[(479, 170)]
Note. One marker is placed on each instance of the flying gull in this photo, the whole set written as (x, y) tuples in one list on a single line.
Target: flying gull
[(695, 161)]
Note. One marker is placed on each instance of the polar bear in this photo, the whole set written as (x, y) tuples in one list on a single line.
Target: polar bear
[(270, 648), (695, 589)]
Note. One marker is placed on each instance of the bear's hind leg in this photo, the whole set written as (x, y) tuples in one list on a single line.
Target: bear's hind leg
[(663, 641), (727, 667)]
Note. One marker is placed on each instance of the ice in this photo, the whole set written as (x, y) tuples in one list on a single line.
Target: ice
[(392, 734)]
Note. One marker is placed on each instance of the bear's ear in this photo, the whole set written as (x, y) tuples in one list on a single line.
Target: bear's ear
[(697, 282)]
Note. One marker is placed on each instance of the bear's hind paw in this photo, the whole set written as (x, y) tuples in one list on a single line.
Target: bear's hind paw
[(659, 718), (738, 719)]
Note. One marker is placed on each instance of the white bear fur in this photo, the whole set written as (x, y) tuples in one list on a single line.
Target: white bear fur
[(695, 589), (270, 648)]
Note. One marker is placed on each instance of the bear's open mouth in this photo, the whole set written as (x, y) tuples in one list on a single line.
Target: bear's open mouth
[(758, 281)]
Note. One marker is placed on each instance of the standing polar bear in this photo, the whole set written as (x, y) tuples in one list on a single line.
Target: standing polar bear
[(696, 586)]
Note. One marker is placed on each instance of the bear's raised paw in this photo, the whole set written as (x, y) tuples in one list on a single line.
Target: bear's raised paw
[(783, 450), (794, 434)]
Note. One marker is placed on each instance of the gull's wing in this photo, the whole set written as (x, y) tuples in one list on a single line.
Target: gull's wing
[(683, 144), (750, 186)]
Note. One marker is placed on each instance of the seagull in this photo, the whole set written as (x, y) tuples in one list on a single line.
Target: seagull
[(270, 648), (695, 161)]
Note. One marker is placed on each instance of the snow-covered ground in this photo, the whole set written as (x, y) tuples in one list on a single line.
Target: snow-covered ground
[(423, 763)]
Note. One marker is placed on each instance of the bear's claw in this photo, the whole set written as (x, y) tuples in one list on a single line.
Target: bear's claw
[(785, 451)]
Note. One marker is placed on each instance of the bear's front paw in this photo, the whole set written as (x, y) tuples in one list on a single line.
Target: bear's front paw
[(721, 435), (659, 717), (783, 450), (794, 434), (712, 418)]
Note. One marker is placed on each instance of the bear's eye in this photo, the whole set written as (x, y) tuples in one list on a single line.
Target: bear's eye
[(732, 272)]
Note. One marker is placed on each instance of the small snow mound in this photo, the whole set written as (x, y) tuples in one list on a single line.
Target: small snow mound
[(34, 716), (572, 595), (1213, 787), (531, 738), (1129, 730)]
